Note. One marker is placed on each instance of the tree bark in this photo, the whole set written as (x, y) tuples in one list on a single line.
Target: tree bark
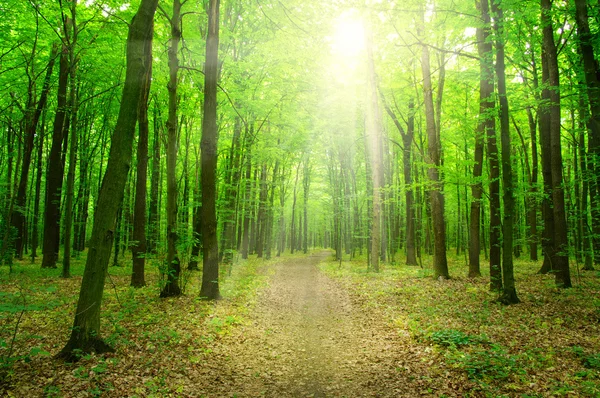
[(85, 333), (436, 198), (210, 274), (561, 258), (373, 136), (18, 213), (509, 292), (153, 213), (592, 88), (138, 249), (74, 109), (486, 105), (171, 287), (55, 169)]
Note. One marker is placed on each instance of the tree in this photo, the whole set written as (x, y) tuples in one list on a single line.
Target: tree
[(18, 214), (373, 137), (85, 334), (139, 247), (561, 242), (208, 145), (509, 292), (55, 169), (436, 197), (485, 122), (172, 288), (592, 89)]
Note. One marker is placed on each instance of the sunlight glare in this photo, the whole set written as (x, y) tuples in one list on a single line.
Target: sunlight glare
[(349, 36)]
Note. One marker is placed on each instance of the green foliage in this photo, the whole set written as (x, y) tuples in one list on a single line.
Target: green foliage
[(494, 363), (590, 361), (454, 338)]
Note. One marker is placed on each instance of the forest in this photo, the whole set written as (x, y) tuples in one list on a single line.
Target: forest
[(210, 198)]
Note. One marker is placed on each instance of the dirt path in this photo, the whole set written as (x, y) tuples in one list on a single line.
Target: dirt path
[(307, 338)]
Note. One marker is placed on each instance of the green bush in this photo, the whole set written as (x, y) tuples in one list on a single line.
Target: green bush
[(454, 338)]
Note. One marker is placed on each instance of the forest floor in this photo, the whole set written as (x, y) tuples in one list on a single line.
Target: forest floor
[(306, 326)]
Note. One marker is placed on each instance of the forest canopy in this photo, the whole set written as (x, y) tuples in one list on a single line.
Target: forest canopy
[(192, 135)]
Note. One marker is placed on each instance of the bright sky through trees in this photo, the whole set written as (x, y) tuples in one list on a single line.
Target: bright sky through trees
[(349, 35)]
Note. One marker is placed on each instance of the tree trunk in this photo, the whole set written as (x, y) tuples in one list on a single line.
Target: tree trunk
[(262, 212), (210, 274), (247, 205), (270, 210), (153, 213), (85, 334), (293, 222), (494, 170), (486, 105), (509, 293), (171, 287), (592, 88), (55, 169), (561, 259), (74, 109), (373, 136), (231, 189), (436, 198), (18, 212), (38, 188), (138, 249), (306, 186)]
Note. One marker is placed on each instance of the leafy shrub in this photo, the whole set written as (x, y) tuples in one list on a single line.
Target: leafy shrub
[(590, 361), (454, 338), (494, 363)]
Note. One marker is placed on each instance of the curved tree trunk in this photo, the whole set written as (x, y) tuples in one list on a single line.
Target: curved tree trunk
[(85, 333)]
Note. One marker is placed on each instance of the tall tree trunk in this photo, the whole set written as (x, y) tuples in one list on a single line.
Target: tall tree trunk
[(210, 274), (171, 287), (293, 222), (262, 212), (306, 186), (247, 205), (486, 104), (373, 136), (85, 333), (19, 211), (592, 88), (489, 127), (138, 249), (532, 201), (74, 109), (436, 198), (153, 213), (545, 140), (561, 259), (509, 293), (270, 211), (38, 188), (55, 169), (407, 138), (231, 190)]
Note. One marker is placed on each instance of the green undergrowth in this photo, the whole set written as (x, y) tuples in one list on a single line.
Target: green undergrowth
[(154, 338), (548, 345)]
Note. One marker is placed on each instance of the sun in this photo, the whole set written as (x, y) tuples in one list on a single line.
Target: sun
[(348, 39)]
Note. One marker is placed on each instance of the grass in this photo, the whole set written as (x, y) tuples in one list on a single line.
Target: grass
[(519, 350), (155, 338)]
